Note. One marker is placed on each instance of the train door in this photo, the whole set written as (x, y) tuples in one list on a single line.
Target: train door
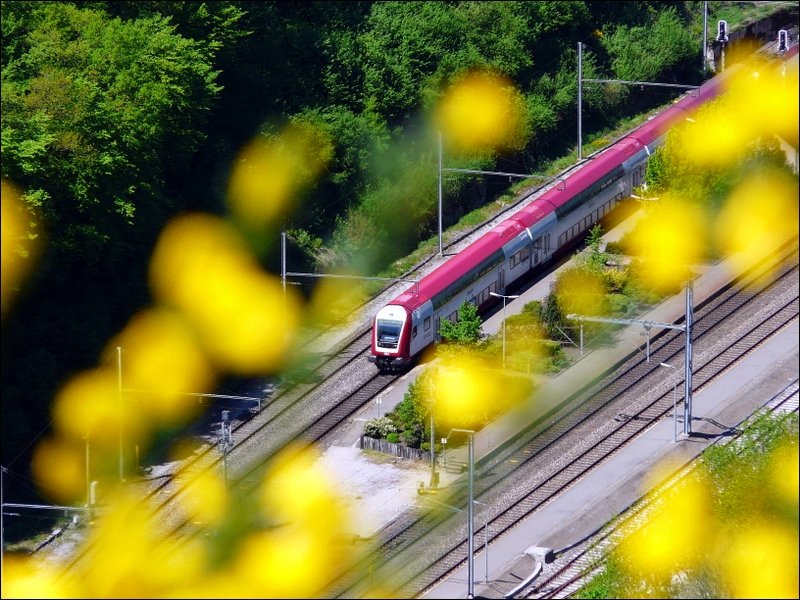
[(501, 281)]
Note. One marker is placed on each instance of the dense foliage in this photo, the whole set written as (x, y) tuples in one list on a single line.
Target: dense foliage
[(118, 115)]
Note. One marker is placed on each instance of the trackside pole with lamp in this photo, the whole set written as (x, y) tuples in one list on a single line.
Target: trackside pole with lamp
[(485, 530), (686, 328), (470, 510), (504, 320), (674, 400)]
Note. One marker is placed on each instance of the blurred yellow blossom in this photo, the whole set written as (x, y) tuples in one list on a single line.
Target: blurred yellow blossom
[(205, 497), (90, 404), (59, 467), (245, 323), (18, 243), (761, 561), (161, 362), (269, 172), (303, 550), (763, 98), (296, 489), (709, 140), (676, 533), (759, 100), (580, 291), (482, 111), (334, 300), (784, 474), (27, 577), (468, 391), (671, 238), (759, 216), (295, 562), (130, 556)]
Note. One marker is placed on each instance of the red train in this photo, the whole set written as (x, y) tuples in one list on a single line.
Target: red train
[(410, 322)]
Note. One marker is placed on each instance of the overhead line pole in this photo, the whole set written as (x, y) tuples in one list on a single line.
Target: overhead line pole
[(705, 33), (440, 194), (687, 383), (581, 80)]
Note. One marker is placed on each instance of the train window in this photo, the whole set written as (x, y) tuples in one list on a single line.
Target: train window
[(414, 331), (389, 333), (426, 324), (518, 257)]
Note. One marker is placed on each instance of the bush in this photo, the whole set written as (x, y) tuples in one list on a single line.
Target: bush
[(619, 305), (379, 428), (616, 248), (393, 438), (614, 281), (466, 330), (411, 438)]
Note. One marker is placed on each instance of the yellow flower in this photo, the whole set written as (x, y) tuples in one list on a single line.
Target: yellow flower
[(244, 321), (762, 562), (676, 532), (482, 111)]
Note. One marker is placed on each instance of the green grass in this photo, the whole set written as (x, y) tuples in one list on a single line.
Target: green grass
[(742, 13)]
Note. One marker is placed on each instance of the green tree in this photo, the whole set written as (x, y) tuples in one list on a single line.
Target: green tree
[(466, 330), (653, 51), (90, 106), (100, 120), (411, 416)]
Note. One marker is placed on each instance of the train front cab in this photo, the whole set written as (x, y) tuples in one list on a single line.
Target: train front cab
[(390, 338)]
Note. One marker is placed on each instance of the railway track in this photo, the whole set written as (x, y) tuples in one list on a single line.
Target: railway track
[(420, 548)]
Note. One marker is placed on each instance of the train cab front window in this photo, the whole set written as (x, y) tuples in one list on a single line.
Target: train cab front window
[(389, 333)]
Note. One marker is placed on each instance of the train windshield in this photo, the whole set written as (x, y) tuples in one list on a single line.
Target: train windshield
[(389, 333)]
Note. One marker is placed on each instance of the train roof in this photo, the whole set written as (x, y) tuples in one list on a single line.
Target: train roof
[(591, 172), (436, 281)]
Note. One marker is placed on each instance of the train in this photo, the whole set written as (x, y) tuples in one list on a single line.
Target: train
[(553, 222)]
